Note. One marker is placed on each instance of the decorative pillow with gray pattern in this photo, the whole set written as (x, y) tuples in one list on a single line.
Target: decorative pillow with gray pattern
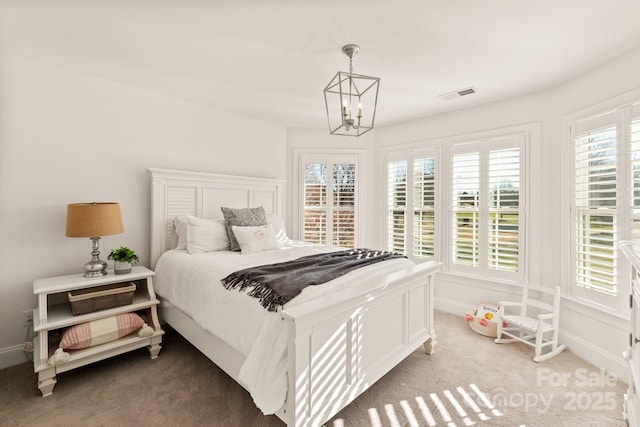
[(242, 217)]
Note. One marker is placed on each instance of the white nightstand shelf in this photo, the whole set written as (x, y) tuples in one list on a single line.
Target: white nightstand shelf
[(54, 312)]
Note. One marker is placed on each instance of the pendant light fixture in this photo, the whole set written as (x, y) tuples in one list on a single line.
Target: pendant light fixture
[(351, 99)]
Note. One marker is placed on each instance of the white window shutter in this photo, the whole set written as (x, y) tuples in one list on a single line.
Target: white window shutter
[(330, 201), (634, 141), (484, 196), (344, 202), (411, 205), (595, 198), (487, 207), (315, 202), (424, 207), (397, 205), (465, 209), (504, 209)]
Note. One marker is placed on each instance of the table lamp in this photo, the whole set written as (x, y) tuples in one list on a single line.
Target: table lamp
[(94, 220)]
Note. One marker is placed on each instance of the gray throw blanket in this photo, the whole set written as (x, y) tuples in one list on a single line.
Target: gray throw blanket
[(277, 284)]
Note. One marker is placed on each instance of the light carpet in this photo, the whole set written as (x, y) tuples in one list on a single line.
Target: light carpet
[(469, 380)]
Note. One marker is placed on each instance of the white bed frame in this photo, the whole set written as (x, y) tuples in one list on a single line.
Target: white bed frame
[(339, 345)]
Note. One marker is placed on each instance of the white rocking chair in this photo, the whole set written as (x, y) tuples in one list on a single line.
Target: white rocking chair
[(540, 332)]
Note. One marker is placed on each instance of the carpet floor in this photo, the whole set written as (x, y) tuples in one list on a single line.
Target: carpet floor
[(469, 380)]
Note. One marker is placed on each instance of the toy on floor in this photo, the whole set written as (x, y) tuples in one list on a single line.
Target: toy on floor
[(484, 319)]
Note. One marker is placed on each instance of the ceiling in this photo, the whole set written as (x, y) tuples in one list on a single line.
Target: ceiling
[(271, 59)]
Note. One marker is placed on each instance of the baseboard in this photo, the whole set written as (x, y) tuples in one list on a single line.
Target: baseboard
[(596, 355), (11, 356), (451, 306)]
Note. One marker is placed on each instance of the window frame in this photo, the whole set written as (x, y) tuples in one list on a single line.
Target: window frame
[(392, 231), (306, 157), (622, 108), (483, 147), (409, 157), (443, 147)]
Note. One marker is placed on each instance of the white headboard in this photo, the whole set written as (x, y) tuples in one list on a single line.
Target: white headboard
[(175, 192)]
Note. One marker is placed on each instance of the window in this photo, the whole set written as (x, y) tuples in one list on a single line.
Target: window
[(470, 214), (504, 209), (634, 140), (606, 201), (424, 207), (465, 221), (595, 188), (486, 207), (411, 209), (329, 194), (397, 205)]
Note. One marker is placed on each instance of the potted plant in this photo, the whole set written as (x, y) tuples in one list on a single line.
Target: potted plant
[(123, 258)]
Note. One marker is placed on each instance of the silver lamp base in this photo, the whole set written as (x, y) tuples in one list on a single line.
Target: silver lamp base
[(96, 267)]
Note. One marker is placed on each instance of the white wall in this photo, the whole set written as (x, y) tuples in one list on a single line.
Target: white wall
[(67, 137)]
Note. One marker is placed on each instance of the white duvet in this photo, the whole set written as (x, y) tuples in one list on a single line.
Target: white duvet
[(191, 282)]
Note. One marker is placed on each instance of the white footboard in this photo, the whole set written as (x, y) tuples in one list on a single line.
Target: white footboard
[(338, 349)]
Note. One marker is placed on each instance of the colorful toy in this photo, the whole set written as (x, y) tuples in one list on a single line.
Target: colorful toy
[(483, 320)]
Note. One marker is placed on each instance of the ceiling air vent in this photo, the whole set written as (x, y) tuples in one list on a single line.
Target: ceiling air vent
[(458, 93)]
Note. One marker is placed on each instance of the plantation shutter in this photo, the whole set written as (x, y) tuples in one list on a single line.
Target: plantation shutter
[(487, 207), (411, 205), (397, 205), (465, 208), (634, 141), (595, 194), (504, 209), (330, 201), (424, 204), (315, 203), (344, 199)]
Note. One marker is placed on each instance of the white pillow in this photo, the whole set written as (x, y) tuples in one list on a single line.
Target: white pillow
[(278, 228), (205, 235), (180, 229), (255, 238)]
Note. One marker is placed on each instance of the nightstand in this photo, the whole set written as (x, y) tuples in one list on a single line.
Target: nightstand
[(54, 314)]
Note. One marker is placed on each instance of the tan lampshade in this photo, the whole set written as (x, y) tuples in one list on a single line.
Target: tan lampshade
[(93, 219)]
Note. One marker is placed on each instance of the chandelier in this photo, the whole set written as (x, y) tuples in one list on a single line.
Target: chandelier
[(351, 99)]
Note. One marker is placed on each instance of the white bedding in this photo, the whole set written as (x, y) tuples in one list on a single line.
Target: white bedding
[(191, 282)]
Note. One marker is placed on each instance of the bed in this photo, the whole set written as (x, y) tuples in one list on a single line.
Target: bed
[(335, 344)]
